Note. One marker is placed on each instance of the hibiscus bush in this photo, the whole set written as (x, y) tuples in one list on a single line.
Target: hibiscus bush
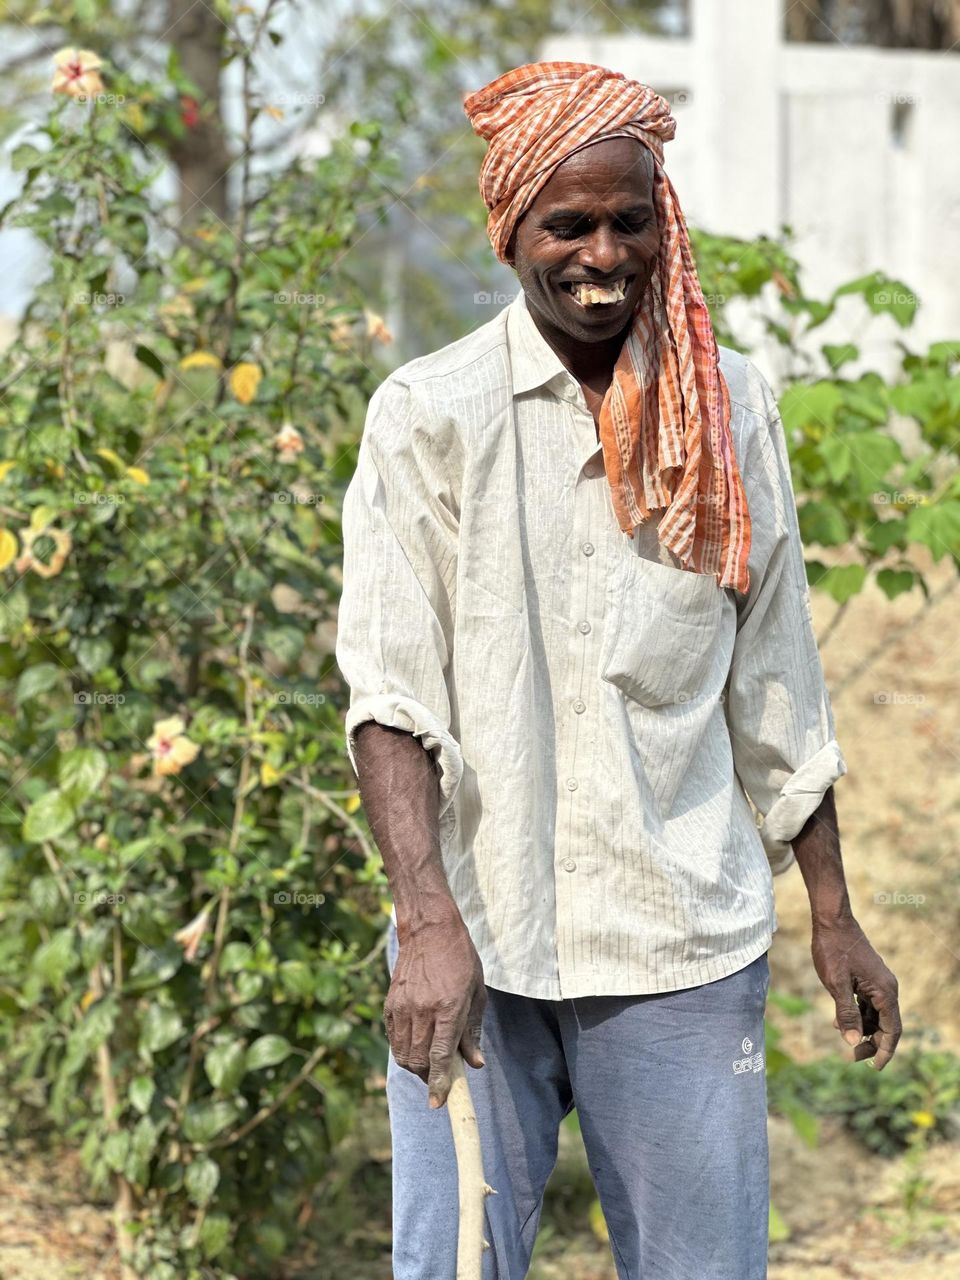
[(191, 911)]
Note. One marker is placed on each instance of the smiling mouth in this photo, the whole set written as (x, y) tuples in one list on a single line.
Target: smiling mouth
[(593, 295)]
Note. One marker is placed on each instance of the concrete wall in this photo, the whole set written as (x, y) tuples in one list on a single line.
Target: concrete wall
[(857, 149)]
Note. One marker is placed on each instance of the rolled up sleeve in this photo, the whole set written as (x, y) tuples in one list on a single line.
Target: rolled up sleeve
[(394, 627), (778, 708)]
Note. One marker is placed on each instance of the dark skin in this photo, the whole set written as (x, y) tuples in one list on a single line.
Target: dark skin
[(593, 221)]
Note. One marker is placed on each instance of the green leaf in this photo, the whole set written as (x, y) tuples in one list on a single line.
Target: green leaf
[(864, 456), (804, 1122), (38, 679), (54, 959), (94, 652), (822, 523), (80, 773), (201, 1180), (843, 581), (153, 967), (837, 354), (225, 1065), (115, 1149), (26, 157), (236, 956), (886, 534), (143, 1144), (791, 1005), (48, 817), (894, 582), (919, 399), (149, 358), (814, 403), (777, 1229), (937, 526), (214, 1234), (284, 643), (204, 1120), (267, 1052), (159, 1027), (141, 1091), (863, 406), (297, 979)]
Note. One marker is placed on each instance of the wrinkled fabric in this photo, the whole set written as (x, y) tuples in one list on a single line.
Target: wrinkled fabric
[(601, 719), (665, 419)]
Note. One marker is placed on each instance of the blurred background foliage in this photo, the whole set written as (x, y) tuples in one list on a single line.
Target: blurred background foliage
[(192, 908)]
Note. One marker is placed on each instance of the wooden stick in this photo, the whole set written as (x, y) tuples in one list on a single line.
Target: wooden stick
[(473, 1187)]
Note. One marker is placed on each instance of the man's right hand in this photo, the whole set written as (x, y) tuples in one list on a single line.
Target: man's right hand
[(435, 1003)]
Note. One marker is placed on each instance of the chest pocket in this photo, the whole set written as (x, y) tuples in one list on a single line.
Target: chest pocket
[(661, 631)]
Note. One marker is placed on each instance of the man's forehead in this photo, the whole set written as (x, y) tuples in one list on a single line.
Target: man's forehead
[(617, 176)]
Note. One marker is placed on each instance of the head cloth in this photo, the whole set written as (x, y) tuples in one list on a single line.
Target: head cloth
[(665, 419)]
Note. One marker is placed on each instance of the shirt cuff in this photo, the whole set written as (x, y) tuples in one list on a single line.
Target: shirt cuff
[(800, 796), (397, 712)]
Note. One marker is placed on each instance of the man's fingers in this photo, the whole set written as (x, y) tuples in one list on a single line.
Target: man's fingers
[(398, 1033), (470, 1040), (445, 1039), (848, 1020), (421, 1036), (888, 1035)]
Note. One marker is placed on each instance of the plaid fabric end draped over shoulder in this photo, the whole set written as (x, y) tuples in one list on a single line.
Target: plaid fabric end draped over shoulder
[(664, 422)]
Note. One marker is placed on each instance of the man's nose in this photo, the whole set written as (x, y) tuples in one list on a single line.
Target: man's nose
[(604, 252)]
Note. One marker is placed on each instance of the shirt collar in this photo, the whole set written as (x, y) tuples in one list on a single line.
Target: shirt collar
[(533, 361)]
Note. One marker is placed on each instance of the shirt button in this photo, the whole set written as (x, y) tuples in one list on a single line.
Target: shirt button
[(568, 864), (572, 784), (579, 705), (591, 469), (584, 627), (587, 548)]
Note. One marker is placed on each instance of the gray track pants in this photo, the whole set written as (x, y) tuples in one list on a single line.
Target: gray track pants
[(670, 1091)]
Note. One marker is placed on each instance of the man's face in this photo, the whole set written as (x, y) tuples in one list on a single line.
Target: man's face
[(594, 221)]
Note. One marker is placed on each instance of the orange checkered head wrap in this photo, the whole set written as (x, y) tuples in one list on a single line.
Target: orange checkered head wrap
[(665, 419)]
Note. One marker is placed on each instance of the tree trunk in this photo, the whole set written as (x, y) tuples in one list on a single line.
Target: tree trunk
[(201, 155), (890, 24)]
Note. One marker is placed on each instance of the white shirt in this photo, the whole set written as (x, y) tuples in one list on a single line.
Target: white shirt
[(599, 715)]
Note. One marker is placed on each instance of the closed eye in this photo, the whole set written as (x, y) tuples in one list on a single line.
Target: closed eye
[(574, 230)]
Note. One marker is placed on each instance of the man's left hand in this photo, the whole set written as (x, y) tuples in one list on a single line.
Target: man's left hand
[(863, 988)]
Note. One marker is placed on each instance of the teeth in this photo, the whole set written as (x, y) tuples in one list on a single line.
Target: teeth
[(588, 295)]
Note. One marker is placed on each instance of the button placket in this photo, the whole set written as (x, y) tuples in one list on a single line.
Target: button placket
[(574, 777)]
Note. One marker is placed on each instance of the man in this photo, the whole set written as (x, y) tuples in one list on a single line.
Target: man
[(576, 627)]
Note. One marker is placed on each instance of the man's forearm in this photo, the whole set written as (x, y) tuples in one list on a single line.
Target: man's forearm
[(400, 791), (817, 850)]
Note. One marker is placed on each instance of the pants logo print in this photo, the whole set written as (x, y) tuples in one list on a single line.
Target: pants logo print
[(747, 1063)]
